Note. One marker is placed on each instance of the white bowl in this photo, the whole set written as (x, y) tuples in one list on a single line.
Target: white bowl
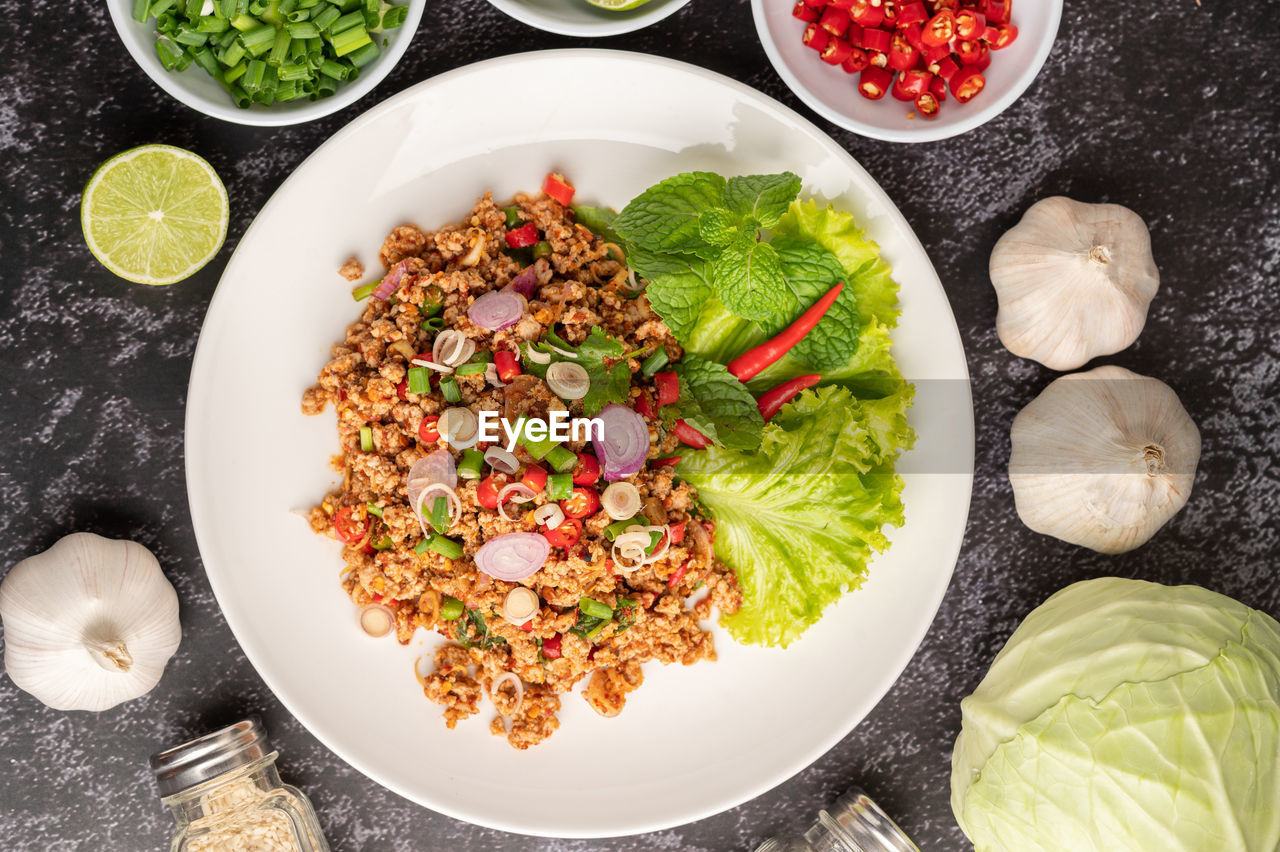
[(195, 88), (581, 19), (832, 93)]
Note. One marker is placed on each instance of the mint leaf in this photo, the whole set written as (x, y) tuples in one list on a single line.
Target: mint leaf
[(762, 197), (811, 271), (598, 220), (665, 217), (748, 278), (718, 227), (677, 288), (598, 355), (716, 404)]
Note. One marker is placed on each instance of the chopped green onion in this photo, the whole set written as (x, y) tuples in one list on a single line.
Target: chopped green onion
[(364, 55), (210, 24), (332, 69), (302, 29), (482, 356), (440, 514), (371, 20), (366, 439), (254, 76), (562, 459), (449, 387), (446, 547), (422, 546), (169, 52), (383, 543), (617, 528), (394, 17), (451, 609), (471, 369), (324, 18), (294, 71), (513, 216), (433, 324), (655, 362), (346, 22), (258, 40), (471, 464), (140, 13), (542, 248), (559, 486), (419, 380), (185, 35), (373, 510), (430, 309), (595, 609)]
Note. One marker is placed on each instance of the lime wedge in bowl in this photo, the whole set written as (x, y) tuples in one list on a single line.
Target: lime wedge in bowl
[(154, 214), (617, 5)]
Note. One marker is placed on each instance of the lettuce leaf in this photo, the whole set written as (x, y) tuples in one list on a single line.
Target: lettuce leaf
[(799, 519)]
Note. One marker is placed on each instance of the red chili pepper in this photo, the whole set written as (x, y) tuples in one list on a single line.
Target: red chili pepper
[(856, 62), (805, 12), (938, 88), (582, 503), (642, 406), (689, 435), (815, 37), (970, 24), (934, 55), (587, 471), (558, 188), (945, 67), (677, 532), (427, 430), (749, 364), (912, 12), (877, 40), (347, 527), (939, 5), (835, 21), (527, 627), (1005, 36), (525, 235), (487, 490), (535, 478), (927, 104), (966, 83), (368, 549), (402, 389), (970, 52), (773, 400), (669, 461), (913, 34), (854, 35), (836, 51), (507, 365), (551, 647), (678, 575), (835, 4), (997, 11), (910, 84), (940, 29), (566, 535), (668, 385), (865, 13), (890, 14), (876, 59), (902, 54)]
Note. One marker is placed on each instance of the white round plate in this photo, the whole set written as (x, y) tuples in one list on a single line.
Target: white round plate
[(692, 741), (579, 18), (833, 94)]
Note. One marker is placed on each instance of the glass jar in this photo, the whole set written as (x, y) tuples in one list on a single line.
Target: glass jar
[(226, 795), (853, 824)]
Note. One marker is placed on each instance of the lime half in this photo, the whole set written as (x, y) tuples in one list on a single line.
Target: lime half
[(617, 5), (154, 214)]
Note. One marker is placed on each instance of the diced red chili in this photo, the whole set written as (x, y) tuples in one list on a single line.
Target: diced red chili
[(527, 627), (507, 365), (877, 40), (582, 503), (642, 406), (836, 51), (909, 84), (815, 37), (487, 490), (912, 34), (551, 647), (678, 574), (927, 104), (866, 12), (890, 14), (940, 29), (689, 435), (902, 54), (835, 4), (669, 461), (973, 53), (856, 62), (835, 21), (668, 385), (525, 235), (402, 389), (938, 88), (912, 12), (558, 188), (535, 478), (966, 83), (997, 11), (854, 35), (945, 67), (588, 470), (874, 83), (805, 12), (935, 54), (677, 532), (970, 24), (349, 528), (427, 430), (1005, 36)]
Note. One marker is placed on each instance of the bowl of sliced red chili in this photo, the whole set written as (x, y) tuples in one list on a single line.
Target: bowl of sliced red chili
[(908, 70)]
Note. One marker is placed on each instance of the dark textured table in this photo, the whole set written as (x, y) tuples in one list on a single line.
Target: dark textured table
[(1172, 109)]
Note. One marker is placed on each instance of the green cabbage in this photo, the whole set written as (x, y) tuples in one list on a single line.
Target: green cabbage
[(1125, 715)]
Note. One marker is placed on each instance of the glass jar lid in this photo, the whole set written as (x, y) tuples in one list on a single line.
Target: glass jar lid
[(205, 758)]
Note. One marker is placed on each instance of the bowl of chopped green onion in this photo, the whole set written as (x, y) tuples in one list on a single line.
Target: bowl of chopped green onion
[(266, 62)]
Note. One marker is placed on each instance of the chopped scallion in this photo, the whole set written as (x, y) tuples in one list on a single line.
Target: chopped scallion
[(419, 380), (366, 439)]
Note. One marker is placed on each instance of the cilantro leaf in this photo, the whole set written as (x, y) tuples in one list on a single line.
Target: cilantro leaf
[(718, 227), (677, 287), (597, 220), (762, 197), (748, 278), (665, 217), (811, 271), (608, 383), (715, 403)]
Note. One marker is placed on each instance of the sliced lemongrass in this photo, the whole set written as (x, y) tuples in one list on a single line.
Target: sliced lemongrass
[(459, 427), (517, 689), (550, 515), (565, 352), (422, 362), (621, 501), (521, 604), (501, 460), (377, 620), (568, 381), (404, 349), (515, 492)]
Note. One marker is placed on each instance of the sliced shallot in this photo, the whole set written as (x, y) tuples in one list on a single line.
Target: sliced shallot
[(623, 443), (500, 459), (567, 380), (514, 492), (491, 376), (513, 556), (517, 688), (497, 309), (524, 283), (391, 281)]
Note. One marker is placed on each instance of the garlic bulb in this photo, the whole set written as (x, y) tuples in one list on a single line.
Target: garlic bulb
[(1102, 459), (1074, 281), (89, 623)]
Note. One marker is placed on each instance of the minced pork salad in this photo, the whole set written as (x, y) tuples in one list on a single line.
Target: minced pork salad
[(731, 345)]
